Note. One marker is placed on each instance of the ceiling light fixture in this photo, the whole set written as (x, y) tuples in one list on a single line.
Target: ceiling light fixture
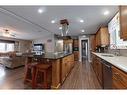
[(106, 12), (82, 30), (81, 21), (84, 36), (7, 32), (40, 11), (53, 21)]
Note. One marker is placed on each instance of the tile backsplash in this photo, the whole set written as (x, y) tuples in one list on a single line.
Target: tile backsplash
[(123, 52)]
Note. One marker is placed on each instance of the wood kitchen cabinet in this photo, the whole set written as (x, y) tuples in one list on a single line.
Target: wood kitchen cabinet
[(99, 70), (119, 79), (102, 37), (123, 22), (76, 42), (115, 79), (63, 69), (66, 66), (98, 43), (76, 55), (97, 66), (67, 41), (76, 49), (93, 43)]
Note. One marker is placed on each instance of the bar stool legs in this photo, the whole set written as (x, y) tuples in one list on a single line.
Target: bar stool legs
[(30, 71), (42, 81)]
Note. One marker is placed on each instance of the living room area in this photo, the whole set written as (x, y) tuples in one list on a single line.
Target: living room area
[(13, 56)]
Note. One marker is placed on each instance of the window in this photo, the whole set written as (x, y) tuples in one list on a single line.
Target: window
[(114, 29), (6, 47)]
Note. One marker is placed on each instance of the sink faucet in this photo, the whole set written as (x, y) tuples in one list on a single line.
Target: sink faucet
[(117, 51)]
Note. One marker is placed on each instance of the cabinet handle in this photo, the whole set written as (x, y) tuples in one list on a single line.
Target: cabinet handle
[(107, 66)]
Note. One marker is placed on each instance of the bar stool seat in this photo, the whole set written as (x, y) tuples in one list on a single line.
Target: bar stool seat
[(43, 76), (30, 70)]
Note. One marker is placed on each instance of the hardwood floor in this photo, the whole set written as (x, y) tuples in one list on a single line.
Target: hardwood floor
[(82, 76), (12, 78)]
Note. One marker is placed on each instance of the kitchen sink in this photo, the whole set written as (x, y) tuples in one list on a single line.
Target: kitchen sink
[(108, 55)]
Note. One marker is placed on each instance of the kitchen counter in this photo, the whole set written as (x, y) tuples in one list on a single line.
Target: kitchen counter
[(118, 61), (52, 55)]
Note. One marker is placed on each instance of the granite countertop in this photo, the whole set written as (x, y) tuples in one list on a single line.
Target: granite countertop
[(52, 55), (118, 61)]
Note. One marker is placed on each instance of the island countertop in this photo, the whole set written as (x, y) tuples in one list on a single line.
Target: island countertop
[(52, 55)]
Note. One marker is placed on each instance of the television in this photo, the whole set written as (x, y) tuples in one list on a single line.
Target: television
[(39, 47)]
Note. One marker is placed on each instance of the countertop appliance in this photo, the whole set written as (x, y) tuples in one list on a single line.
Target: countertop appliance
[(107, 75)]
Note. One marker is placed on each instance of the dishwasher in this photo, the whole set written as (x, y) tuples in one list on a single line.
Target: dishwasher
[(107, 75)]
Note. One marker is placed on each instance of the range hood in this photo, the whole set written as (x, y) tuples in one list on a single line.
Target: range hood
[(64, 31), (62, 37)]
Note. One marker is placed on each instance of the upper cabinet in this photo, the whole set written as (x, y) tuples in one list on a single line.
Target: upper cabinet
[(68, 41), (123, 22), (93, 43), (102, 37)]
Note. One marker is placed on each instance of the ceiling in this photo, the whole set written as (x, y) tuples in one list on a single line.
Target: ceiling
[(27, 23)]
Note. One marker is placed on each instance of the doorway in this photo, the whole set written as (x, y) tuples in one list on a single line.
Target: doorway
[(84, 45)]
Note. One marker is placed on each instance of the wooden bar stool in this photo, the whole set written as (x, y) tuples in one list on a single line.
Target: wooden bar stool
[(43, 76), (30, 70)]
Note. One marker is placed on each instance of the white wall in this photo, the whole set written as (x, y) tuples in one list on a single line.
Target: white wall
[(49, 46), (80, 47)]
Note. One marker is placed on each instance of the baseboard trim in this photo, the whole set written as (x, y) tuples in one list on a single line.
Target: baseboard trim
[(55, 87)]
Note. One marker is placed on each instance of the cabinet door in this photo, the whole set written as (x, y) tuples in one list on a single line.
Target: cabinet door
[(99, 70), (119, 79), (76, 43), (104, 35), (97, 39), (76, 55), (72, 60), (93, 45), (64, 70), (123, 22), (68, 65), (97, 66)]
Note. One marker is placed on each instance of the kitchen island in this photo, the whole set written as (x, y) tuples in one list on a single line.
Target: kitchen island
[(61, 66)]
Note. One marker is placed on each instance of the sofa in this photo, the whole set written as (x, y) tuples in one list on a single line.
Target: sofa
[(13, 62)]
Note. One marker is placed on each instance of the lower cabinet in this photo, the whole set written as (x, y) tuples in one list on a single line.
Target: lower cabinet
[(99, 71), (63, 69), (97, 66), (76, 55), (119, 79), (66, 66)]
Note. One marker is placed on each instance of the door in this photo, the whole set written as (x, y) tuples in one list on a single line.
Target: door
[(84, 49)]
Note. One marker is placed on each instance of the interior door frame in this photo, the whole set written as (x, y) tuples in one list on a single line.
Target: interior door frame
[(86, 47), (80, 48)]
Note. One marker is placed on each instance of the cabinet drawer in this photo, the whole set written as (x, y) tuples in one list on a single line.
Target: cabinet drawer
[(119, 78)]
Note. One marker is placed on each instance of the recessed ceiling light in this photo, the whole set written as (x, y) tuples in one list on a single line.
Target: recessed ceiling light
[(53, 21), (82, 30), (106, 13), (84, 36), (40, 11), (81, 21), (60, 28)]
